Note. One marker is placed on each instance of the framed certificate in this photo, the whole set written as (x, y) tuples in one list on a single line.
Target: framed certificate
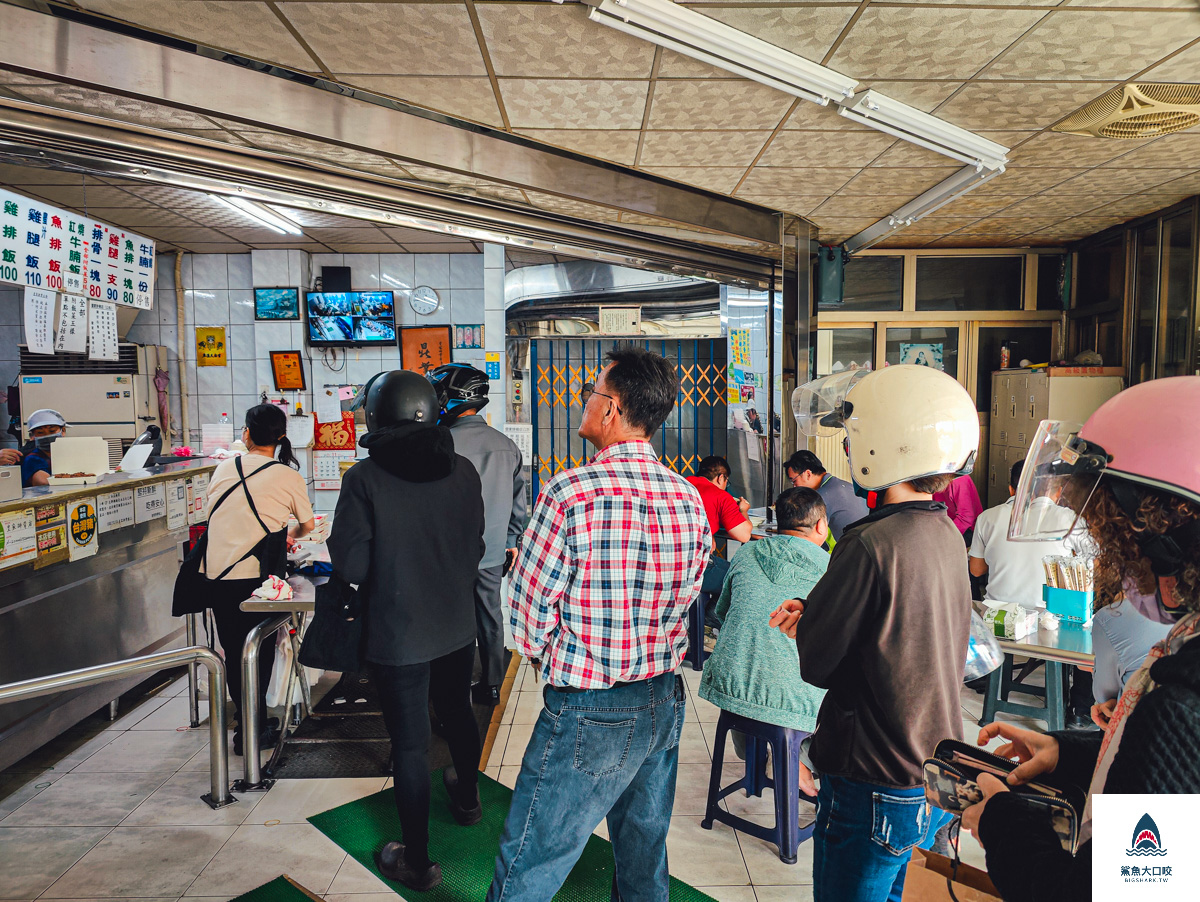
[(288, 369)]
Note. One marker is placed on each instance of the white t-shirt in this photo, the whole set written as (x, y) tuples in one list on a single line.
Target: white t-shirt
[(1015, 572)]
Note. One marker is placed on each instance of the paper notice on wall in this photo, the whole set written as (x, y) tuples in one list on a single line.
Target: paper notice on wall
[(115, 510), (522, 436), (198, 495), (39, 320), (71, 334), (327, 404), (18, 538), (102, 331), (149, 502), (177, 503), (82, 528), (300, 431)]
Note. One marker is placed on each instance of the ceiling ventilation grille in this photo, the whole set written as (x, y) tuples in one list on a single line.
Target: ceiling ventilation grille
[(1136, 111)]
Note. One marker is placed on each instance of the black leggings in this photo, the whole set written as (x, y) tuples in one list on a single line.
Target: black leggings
[(233, 625), (405, 693)]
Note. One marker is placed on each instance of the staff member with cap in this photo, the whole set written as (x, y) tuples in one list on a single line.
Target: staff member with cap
[(44, 427)]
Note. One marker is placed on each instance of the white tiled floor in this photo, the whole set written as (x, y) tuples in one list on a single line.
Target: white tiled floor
[(116, 814)]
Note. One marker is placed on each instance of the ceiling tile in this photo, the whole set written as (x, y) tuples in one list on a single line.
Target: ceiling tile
[(444, 247), (391, 38), (245, 28), (1018, 180), (590, 104), (911, 42), (361, 233), (298, 244), (1181, 149), (1188, 184), (1180, 68), (715, 103), (1112, 45), (776, 180), (213, 247), (1017, 105), (615, 145), (676, 65), (439, 177), (135, 218), (92, 195), (982, 205), (312, 218), (807, 31), (847, 206), (839, 149), (1133, 207), (812, 117), (323, 152), (188, 235), (701, 148), (249, 234), (464, 97), (905, 155), (924, 95), (1052, 149), (898, 181), (722, 179), (1117, 179), (553, 41), (1052, 208), (350, 247), (836, 230), (415, 236), (36, 175), (110, 106)]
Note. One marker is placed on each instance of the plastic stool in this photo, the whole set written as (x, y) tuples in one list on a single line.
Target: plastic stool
[(697, 654), (787, 834)]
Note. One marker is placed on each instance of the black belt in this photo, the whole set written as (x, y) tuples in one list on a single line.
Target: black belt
[(570, 690)]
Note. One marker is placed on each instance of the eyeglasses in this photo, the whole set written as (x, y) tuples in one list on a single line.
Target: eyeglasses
[(604, 395)]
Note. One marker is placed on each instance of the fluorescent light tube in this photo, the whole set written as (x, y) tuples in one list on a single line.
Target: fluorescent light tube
[(966, 179), (692, 34), (260, 214), (881, 112)]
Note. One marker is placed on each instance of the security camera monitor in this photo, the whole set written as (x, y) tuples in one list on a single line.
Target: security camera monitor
[(350, 318)]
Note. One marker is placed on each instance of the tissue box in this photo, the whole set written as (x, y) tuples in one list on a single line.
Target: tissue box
[(1011, 621), (1072, 606)]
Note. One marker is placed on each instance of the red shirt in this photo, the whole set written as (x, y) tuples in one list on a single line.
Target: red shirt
[(720, 508)]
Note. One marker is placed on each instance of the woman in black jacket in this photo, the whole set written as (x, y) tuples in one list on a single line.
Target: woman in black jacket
[(408, 531), (1140, 472)]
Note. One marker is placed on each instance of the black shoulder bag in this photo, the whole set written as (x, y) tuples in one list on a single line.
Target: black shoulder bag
[(192, 587), (334, 638)]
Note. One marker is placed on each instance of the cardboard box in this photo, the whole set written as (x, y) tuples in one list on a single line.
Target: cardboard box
[(927, 876)]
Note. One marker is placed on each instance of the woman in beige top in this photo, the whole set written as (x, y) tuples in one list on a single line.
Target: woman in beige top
[(244, 545)]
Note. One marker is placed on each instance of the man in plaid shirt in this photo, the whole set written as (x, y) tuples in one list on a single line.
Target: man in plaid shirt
[(613, 556)]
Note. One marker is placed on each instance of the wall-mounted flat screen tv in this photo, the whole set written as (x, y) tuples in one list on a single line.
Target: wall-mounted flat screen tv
[(348, 318)]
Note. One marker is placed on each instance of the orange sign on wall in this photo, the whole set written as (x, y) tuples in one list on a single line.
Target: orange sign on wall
[(423, 348)]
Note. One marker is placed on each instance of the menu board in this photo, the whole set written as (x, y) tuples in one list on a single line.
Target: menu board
[(39, 320), (42, 246), (18, 538), (115, 510), (82, 528), (102, 331), (51, 523), (72, 324), (149, 502)]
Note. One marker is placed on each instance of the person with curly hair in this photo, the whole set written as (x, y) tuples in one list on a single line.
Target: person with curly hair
[(1134, 478)]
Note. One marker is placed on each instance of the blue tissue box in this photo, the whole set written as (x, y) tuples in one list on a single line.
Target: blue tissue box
[(1070, 605)]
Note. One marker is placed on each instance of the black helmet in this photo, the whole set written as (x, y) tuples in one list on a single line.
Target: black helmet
[(400, 396), (459, 387)]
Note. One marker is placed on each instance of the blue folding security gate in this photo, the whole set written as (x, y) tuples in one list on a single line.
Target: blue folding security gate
[(559, 368)]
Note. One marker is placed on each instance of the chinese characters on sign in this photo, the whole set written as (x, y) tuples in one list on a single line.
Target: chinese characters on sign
[(739, 346), (424, 348), (83, 528), (39, 320), (210, 346), (102, 331), (72, 324), (150, 502), (18, 538), (44, 247)]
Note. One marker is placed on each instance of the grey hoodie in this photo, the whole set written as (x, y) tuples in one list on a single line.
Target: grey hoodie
[(498, 462), (755, 669)]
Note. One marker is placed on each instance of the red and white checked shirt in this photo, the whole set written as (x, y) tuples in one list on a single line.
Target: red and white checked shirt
[(613, 557)]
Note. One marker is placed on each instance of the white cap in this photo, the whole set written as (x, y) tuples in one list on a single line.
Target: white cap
[(45, 417)]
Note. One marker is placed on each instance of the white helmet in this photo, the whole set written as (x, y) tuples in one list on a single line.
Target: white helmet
[(905, 422)]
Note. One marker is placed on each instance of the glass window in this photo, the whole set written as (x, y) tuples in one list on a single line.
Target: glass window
[(1145, 302), (844, 349), (1175, 319), (1030, 343), (969, 283), (1108, 338), (1049, 273), (1100, 273), (872, 283), (934, 346)]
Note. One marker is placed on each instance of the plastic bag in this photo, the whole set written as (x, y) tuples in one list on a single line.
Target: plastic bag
[(282, 669), (983, 651)]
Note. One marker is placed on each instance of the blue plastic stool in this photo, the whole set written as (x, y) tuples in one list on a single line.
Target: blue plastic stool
[(787, 834), (697, 654)]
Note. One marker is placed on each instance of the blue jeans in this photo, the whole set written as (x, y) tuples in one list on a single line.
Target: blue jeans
[(864, 838), (601, 753)]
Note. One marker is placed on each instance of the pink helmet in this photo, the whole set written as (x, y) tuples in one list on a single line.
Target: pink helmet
[(1151, 433)]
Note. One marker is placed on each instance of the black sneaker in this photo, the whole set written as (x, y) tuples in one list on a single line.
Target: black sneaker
[(465, 816), (392, 865), (483, 694)]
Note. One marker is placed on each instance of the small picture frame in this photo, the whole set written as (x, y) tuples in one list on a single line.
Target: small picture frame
[(425, 348), (275, 304), (287, 368)]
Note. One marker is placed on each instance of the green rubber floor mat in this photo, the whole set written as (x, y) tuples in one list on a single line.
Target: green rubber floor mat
[(281, 889), (467, 854)]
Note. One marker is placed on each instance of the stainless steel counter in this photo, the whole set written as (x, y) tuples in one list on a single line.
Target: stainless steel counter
[(112, 602)]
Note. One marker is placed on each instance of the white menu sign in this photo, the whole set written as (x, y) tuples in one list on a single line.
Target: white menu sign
[(18, 537), (42, 246), (102, 331), (115, 510), (149, 502), (39, 320), (177, 503), (72, 324)]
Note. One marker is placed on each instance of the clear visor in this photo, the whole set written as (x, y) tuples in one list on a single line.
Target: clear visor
[(817, 405), (1054, 490)]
